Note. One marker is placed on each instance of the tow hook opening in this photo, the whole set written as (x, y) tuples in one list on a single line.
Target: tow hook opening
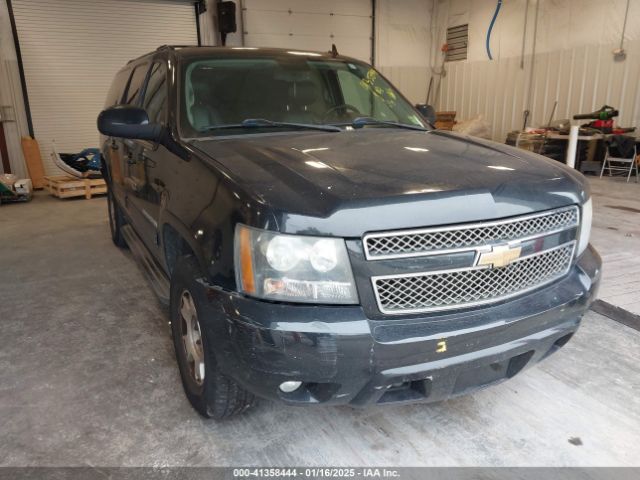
[(407, 390), (518, 362)]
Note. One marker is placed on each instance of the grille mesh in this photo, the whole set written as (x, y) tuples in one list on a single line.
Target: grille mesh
[(429, 241), (443, 290)]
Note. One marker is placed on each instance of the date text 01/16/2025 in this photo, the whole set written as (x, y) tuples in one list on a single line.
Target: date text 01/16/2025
[(315, 472)]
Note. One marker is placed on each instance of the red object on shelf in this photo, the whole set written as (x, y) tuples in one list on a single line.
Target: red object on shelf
[(602, 123)]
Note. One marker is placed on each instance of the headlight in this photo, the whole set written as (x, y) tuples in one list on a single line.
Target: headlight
[(585, 226), (293, 268)]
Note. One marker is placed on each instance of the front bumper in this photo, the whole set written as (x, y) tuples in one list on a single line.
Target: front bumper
[(344, 357)]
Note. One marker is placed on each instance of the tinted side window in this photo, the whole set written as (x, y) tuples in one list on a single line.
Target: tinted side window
[(114, 97), (155, 95), (135, 83)]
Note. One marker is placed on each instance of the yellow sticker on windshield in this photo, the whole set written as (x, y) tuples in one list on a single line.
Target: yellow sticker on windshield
[(371, 83)]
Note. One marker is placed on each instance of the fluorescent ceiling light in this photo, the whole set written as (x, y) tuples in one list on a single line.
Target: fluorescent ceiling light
[(423, 190), (319, 149), (305, 54), (500, 167), (315, 164), (416, 149)]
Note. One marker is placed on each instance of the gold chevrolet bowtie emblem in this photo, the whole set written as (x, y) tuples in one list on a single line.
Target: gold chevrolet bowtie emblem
[(500, 256)]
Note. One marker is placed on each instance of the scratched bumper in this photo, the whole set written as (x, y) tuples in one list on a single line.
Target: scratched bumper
[(342, 357)]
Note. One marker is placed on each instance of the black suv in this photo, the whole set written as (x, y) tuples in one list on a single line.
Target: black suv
[(318, 242)]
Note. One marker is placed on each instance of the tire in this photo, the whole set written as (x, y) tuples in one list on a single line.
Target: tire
[(116, 221), (211, 393)]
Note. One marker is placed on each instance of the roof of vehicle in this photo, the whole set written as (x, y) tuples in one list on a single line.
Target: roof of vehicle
[(196, 51)]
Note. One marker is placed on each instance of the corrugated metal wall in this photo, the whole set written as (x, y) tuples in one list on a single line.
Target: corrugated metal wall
[(404, 36), (580, 79), (411, 81)]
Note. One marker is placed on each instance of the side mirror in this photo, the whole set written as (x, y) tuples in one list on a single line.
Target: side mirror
[(427, 112), (127, 121)]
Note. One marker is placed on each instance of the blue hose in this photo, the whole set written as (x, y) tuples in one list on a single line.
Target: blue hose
[(493, 20)]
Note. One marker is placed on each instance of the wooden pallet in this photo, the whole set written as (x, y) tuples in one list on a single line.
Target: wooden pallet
[(63, 186)]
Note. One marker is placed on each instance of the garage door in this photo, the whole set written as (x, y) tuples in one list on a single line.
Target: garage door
[(71, 49), (310, 25)]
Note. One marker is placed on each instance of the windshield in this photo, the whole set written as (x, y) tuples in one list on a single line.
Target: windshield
[(227, 91)]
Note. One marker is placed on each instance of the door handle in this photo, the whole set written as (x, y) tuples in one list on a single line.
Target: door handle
[(132, 184), (158, 185)]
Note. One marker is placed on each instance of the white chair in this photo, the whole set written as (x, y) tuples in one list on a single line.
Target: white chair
[(620, 164)]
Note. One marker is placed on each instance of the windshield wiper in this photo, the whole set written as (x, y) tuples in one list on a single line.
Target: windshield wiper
[(263, 122), (360, 122)]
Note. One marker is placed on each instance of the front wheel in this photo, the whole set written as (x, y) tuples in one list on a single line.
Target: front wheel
[(211, 393)]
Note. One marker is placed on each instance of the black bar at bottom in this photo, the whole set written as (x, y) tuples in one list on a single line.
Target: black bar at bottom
[(399, 473)]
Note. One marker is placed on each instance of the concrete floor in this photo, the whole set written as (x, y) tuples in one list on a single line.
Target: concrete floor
[(616, 234), (88, 377)]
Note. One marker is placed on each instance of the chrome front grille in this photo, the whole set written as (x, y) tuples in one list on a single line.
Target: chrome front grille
[(443, 290), (432, 241)]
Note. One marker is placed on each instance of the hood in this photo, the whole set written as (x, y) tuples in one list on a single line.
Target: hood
[(381, 178)]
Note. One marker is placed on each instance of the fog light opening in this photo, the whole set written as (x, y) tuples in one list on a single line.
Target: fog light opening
[(290, 386), (562, 341)]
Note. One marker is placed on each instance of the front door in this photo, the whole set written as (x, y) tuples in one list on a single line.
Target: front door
[(140, 195), (145, 187)]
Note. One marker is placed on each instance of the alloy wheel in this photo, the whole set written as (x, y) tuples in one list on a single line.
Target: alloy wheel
[(191, 337)]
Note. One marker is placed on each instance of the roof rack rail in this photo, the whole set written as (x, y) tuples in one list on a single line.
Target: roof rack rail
[(173, 47), (161, 47)]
